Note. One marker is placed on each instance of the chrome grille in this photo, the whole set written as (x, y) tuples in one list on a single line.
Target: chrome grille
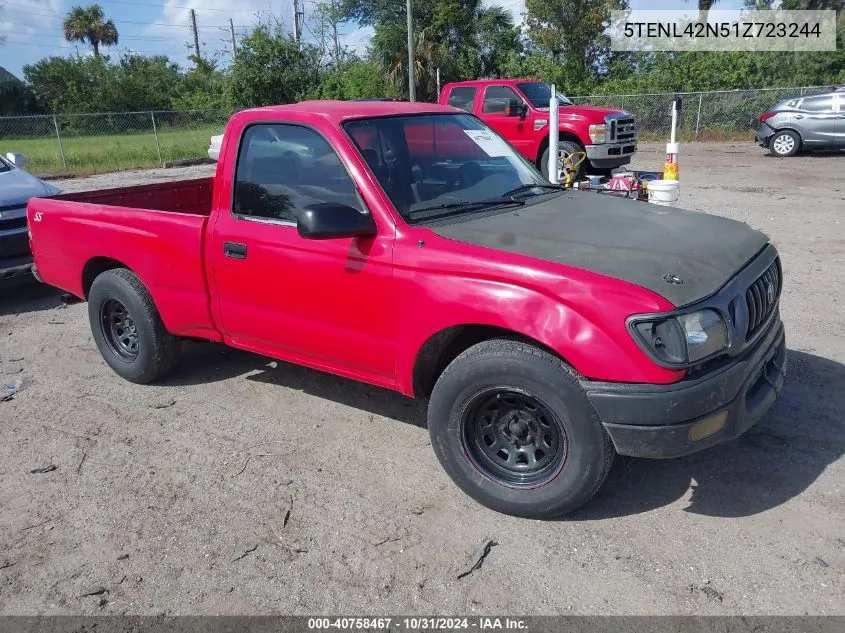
[(625, 129), (9, 224), (761, 298)]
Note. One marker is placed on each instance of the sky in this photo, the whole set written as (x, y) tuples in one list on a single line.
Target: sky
[(33, 28)]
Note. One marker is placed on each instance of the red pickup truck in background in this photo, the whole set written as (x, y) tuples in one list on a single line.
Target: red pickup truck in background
[(518, 109), (409, 246)]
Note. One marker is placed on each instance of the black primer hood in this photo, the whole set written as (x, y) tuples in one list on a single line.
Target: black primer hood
[(633, 241)]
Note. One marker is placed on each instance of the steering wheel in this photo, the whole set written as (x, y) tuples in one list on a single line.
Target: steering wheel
[(468, 175)]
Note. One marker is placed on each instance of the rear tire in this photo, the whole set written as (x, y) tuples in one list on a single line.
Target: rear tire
[(785, 143), (564, 148), (128, 329), (513, 428)]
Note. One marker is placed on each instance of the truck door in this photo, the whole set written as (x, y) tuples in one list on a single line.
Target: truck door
[(327, 302), (516, 130), (816, 121)]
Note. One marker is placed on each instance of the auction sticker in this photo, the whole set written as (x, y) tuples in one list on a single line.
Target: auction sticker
[(492, 145)]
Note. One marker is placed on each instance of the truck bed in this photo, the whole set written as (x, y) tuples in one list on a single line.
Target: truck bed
[(180, 196), (157, 231)]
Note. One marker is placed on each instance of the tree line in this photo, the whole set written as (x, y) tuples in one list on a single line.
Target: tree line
[(563, 41)]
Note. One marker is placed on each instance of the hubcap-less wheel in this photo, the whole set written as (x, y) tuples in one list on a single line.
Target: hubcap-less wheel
[(783, 144), (513, 438), (562, 155), (119, 330)]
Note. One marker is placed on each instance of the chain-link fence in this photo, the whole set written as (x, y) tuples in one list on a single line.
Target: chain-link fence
[(705, 116), (97, 143)]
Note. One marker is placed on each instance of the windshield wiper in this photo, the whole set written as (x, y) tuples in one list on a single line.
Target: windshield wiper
[(522, 188), (466, 206)]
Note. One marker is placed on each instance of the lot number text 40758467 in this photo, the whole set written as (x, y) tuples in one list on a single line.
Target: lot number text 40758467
[(417, 624)]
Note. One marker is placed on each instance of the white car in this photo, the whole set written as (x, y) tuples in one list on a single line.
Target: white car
[(271, 141), (16, 188), (214, 147)]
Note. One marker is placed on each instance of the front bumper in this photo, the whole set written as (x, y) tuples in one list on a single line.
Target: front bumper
[(764, 134), (663, 421), (14, 270), (609, 155)]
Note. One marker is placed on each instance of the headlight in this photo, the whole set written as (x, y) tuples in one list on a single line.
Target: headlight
[(685, 339), (598, 133)]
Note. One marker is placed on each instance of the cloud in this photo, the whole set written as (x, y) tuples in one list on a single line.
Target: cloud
[(25, 27), (358, 40), (515, 7), (173, 24)]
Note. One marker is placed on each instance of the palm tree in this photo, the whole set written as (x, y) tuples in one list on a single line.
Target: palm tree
[(704, 7), (453, 46), (88, 24), (391, 52)]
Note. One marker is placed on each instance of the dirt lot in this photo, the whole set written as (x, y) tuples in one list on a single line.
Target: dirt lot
[(174, 498)]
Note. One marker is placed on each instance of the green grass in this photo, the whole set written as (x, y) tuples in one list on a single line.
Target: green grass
[(87, 155)]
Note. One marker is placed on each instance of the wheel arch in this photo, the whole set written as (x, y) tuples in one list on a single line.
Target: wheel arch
[(95, 267), (442, 347)]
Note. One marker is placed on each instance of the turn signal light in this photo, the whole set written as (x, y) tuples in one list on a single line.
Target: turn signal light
[(708, 426)]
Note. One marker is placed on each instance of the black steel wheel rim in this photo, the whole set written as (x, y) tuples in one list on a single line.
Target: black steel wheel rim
[(119, 330), (513, 438)]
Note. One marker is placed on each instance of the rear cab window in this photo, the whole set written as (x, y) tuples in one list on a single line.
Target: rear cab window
[(462, 97)]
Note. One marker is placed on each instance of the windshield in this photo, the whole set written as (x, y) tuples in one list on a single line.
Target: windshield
[(540, 94), (432, 166)]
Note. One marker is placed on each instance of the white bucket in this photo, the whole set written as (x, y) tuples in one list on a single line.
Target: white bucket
[(664, 192)]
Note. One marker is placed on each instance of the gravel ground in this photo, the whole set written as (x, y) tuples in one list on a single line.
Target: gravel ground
[(242, 485)]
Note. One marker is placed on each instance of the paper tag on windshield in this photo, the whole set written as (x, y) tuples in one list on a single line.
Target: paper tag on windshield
[(490, 143)]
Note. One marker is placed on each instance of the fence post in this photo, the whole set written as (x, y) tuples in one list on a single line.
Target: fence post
[(155, 133), (698, 116), (59, 139)]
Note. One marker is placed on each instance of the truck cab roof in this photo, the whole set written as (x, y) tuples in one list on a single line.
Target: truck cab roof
[(338, 111)]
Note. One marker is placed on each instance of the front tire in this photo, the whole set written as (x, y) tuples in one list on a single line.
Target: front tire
[(128, 329), (514, 430), (565, 148), (785, 143)]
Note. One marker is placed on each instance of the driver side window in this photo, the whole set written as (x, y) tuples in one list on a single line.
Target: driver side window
[(282, 168), (496, 99)]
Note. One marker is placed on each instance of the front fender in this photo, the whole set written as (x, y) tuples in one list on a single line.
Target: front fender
[(597, 348)]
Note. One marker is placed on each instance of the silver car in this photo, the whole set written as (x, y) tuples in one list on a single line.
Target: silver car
[(804, 123), (16, 188)]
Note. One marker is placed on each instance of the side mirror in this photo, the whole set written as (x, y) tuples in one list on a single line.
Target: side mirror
[(18, 160), (333, 220), (515, 107)]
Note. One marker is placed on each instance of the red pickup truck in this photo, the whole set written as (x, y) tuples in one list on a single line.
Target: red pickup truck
[(518, 109), (409, 246)]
